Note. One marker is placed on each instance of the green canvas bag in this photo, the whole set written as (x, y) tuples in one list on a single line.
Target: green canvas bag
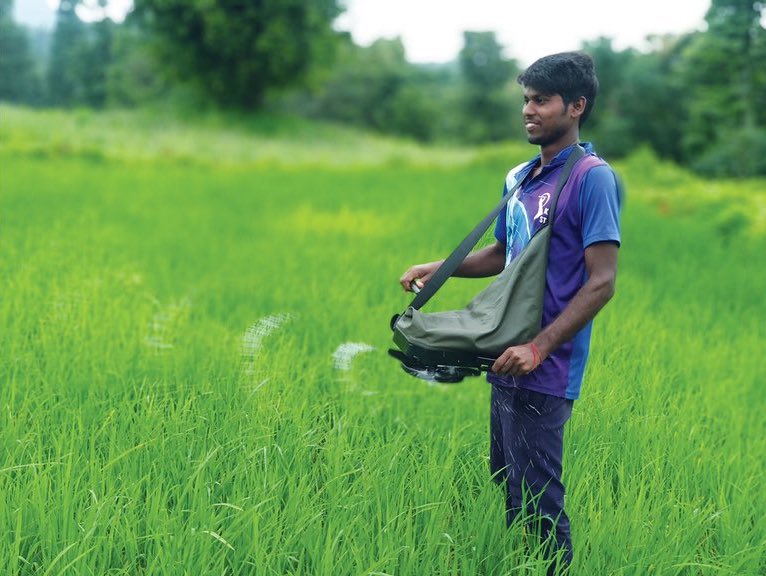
[(507, 312)]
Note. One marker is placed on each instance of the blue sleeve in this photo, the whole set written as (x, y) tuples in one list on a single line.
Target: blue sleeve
[(600, 206)]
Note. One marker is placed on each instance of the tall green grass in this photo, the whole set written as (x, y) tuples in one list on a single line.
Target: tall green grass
[(171, 400)]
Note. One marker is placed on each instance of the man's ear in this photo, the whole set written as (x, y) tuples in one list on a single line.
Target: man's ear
[(578, 107)]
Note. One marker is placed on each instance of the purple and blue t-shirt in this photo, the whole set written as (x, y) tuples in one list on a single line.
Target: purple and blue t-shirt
[(588, 211)]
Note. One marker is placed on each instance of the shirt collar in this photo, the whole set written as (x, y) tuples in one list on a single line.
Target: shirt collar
[(559, 159)]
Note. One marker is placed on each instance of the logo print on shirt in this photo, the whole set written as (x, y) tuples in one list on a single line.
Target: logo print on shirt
[(542, 210)]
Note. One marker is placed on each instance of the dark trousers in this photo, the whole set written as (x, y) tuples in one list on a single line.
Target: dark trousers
[(526, 449)]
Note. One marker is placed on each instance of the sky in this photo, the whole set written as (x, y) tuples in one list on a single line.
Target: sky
[(431, 30)]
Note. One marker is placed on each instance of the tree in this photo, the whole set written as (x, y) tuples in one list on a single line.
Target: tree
[(488, 105), (95, 58), (609, 126), (81, 55), (64, 64), (238, 50), (18, 79), (726, 87), (134, 77), (640, 100), (376, 88)]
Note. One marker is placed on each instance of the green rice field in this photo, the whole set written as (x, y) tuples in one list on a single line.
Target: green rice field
[(194, 318)]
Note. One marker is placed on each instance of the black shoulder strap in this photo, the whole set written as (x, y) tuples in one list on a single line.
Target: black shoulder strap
[(454, 260)]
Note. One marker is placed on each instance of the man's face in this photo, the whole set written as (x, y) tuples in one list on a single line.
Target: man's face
[(546, 118)]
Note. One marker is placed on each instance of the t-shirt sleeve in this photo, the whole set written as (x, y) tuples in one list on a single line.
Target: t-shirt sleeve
[(600, 206)]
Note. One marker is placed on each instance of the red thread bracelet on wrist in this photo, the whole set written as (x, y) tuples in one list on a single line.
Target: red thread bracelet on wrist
[(537, 357)]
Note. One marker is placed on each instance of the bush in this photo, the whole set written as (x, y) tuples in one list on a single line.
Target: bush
[(739, 154)]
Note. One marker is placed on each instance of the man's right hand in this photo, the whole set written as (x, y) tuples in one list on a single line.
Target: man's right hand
[(419, 274)]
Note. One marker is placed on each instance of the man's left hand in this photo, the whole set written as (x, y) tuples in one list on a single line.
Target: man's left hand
[(517, 360)]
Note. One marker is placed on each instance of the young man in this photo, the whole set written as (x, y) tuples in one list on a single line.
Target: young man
[(534, 384)]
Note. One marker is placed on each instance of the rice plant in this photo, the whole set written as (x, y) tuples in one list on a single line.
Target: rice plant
[(194, 378)]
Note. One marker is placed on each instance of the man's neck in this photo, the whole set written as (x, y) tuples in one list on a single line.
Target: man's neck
[(549, 152)]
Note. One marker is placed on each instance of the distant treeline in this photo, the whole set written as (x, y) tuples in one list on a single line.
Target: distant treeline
[(698, 99)]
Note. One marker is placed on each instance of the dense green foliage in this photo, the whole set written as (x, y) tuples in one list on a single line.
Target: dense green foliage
[(80, 57), (698, 99), (175, 399), (376, 88), (724, 69), (18, 79), (63, 68), (487, 99), (237, 52)]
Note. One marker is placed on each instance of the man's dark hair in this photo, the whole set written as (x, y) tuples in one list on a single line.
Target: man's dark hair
[(568, 74)]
